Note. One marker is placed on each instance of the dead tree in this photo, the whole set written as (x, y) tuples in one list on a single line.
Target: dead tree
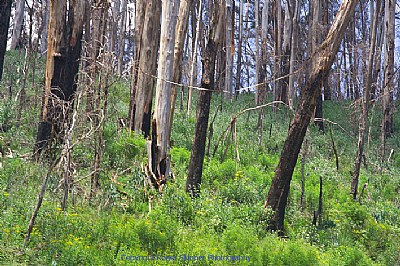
[(365, 106), (159, 171), (64, 50), (195, 170), (5, 12), (18, 25), (322, 61)]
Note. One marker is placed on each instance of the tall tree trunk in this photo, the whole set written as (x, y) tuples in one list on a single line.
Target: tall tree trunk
[(365, 105), (293, 52), (147, 65), (121, 40), (257, 39), (285, 58), (262, 89), (194, 58), (277, 50), (5, 12), (316, 39), (323, 59), (239, 53), (162, 111), (388, 88), (64, 50), (18, 25), (140, 8), (180, 35), (195, 169), (229, 48), (45, 22), (99, 16)]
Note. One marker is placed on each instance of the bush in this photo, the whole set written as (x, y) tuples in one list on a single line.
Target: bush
[(157, 233)]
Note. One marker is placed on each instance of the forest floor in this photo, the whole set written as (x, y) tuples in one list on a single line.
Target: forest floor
[(226, 225)]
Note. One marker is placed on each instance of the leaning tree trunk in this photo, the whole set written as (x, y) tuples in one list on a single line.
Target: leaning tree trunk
[(18, 24), (64, 50), (5, 12), (365, 105), (195, 170), (160, 131), (324, 56)]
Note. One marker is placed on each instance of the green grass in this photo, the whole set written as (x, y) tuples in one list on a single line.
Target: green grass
[(228, 219)]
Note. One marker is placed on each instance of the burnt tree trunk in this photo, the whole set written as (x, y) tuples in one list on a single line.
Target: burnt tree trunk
[(324, 56), (64, 50), (195, 170), (5, 12)]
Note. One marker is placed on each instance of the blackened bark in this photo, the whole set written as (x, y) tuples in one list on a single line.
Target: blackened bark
[(195, 170), (5, 12), (63, 77), (203, 112), (279, 190)]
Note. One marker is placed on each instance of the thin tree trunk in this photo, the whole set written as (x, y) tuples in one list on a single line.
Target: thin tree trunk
[(257, 39), (140, 8), (194, 59), (18, 25), (229, 49), (293, 53), (387, 118), (365, 107), (45, 22), (195, 169), (239, 53), (5, 12), (277, 50), (121, 40), (262, 89), (180, 35), (323, 59)]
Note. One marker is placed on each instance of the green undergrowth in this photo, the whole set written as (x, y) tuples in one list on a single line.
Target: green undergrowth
[(128, 223)]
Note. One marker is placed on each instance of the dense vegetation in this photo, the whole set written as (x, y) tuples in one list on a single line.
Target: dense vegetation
[(228, 219)]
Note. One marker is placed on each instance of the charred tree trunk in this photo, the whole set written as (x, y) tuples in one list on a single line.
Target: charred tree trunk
[(195, 170), (5, 12), (324, 57), (162, 111), (147, 66), (64, 50)]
